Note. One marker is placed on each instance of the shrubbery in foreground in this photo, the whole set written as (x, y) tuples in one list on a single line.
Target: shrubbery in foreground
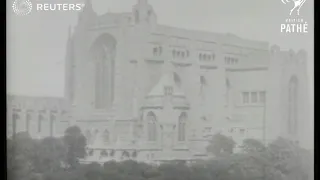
[(57, 159)]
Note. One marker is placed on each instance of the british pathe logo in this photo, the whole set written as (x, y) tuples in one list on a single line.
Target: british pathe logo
[(297, 5), (295, 23), (22, 7)]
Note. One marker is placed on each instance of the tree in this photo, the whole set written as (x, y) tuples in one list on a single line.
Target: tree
[(76, 144), (221, 145), (174, 171), (50, 155), (20, 153), (292, 161)]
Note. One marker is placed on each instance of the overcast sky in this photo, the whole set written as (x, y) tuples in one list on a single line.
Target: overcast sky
[(36, 43)]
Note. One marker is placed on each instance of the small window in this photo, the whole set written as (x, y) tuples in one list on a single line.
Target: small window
[(177, 79), (90, 152), (106, 136), (168, 90), (245, 97), (155, 51), (103, 153), (242, 131), (126, 154), (231, 130), (112, 153), (178, 53), (262, 97), (228, 85), (134, 154), (200, 56), (227, 60), (187, 53), (137, 17), (203, 80), (254, 97), (213, 56), (182, 54), (174, 53)]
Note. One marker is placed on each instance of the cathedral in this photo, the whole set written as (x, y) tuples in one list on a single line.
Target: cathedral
[(153, 93)]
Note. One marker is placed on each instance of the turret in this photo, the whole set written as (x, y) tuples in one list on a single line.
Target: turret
[(144, 13), (87, 15)]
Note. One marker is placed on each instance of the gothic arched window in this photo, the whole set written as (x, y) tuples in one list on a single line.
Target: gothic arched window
[(103, 53), (152, 126), (182, 54), (106, 136), (15, 118), (136, 14), (205, 57), (228, 86), (213, 56), (203, 82), (155, 51), (52, 120), (182, 127), (40, 119), (174, 53), (293, 105), (28, 119)]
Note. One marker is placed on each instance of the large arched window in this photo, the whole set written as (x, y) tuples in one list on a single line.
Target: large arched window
[(293, 105), (152, 126), (103, 53), (182, 127), (106, 136)]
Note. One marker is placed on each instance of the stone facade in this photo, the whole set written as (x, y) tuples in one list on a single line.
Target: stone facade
[(40, 116), (151, 92)]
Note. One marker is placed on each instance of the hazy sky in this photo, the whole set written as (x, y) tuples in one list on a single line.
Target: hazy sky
[(36, 43)]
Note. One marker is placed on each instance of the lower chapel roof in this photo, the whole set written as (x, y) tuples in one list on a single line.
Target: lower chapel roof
[(36, 102)]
